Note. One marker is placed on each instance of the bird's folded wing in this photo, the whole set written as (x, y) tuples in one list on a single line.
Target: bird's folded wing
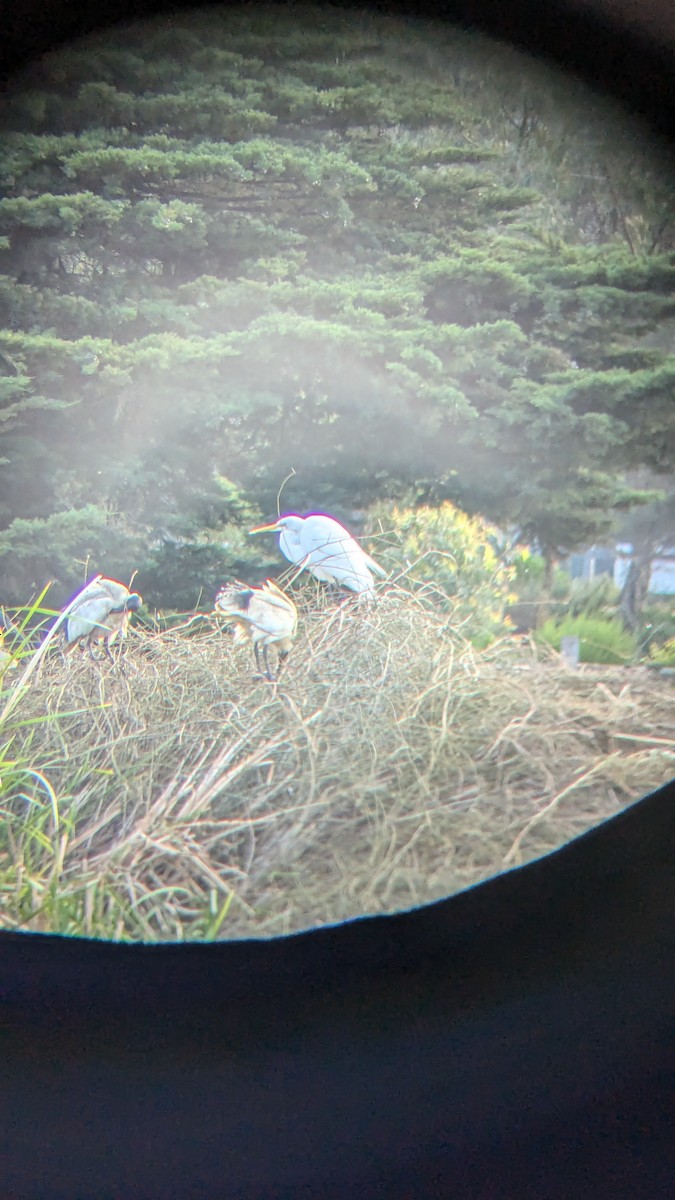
[(268, 623), (232, 612), (374, 566), (341, 555), (117, 591), (93, 591), (281, 602), (90, 589), (110, 588), (89, 615), (337, 548), (244, 617)]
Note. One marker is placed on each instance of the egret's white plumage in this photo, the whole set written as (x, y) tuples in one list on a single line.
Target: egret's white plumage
[(265, 615), (327, 549), (100, 613)]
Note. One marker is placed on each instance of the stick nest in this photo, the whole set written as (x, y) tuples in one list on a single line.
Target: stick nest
[(390, 765)]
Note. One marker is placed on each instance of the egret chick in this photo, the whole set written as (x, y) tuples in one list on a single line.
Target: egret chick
[(266, 616), (100, 613), (327, 549)]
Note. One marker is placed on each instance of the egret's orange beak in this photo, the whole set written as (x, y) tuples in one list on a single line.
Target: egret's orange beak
[(265, 528)]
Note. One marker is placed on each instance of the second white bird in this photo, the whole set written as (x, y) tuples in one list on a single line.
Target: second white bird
[(266, 616)]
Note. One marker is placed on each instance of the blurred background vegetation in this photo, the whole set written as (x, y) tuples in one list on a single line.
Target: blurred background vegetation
[(403, 262)]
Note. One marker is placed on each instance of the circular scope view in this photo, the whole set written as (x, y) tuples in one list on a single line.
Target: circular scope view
[(337, 524)]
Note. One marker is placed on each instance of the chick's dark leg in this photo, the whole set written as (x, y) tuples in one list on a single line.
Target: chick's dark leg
[(270, 676), (116, 657), (258, 664)]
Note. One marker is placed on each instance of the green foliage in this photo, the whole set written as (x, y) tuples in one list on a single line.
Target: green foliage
[(67, 547), (528, 574), (529, 595), (186, 575), (32, 827), (658, 624), (562, 585), (600, 640), (286, 242), (31, 832), (451, 557), (664, 654), (593, 597), (471, 287), (82, 213)]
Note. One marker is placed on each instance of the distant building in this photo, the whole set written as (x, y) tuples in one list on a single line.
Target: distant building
[(588, 564), (600, 560), (662, 579)]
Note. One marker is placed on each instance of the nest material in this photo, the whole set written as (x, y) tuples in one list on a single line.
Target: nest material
[(391, 765)]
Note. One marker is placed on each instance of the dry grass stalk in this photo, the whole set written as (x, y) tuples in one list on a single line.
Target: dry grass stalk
[(391, 765)]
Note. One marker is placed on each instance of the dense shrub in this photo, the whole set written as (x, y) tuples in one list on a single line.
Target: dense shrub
[(562, 584), (187, 575), (593, 597), (451, 557), (658, 624), (528, 574), (529, 571), (65, 548), (600, 640), (663, 654)]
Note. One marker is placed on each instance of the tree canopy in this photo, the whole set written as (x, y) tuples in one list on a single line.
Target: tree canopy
[(388, 256)]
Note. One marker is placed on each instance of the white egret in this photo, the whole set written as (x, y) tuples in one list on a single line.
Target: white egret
[(266, 616), (327, 549), (100, 613)]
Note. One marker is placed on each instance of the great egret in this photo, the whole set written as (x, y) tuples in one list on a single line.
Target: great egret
[(264, 615), (100, 613), (327, 549)]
